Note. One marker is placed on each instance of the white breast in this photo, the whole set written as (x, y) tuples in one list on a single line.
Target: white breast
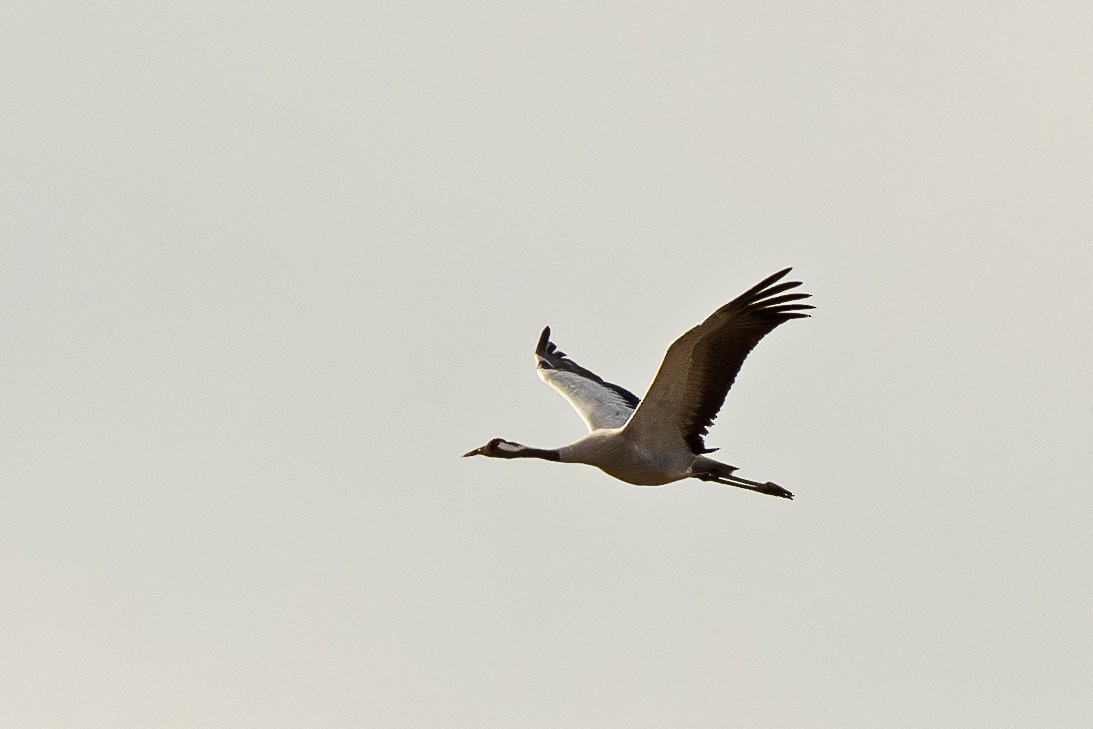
[(611, 451)]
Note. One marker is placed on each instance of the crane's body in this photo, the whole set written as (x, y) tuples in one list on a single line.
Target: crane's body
[(616, 453)]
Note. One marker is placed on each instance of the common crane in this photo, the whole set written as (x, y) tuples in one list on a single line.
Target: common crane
[(660, 439)]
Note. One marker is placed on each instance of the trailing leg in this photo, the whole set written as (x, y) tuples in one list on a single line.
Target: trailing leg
[(720, 473)]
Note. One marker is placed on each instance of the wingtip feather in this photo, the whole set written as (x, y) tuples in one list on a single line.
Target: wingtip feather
[(766, 287), (544, 339)]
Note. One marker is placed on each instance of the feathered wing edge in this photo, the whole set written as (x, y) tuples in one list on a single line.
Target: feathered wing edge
[(600, 404)]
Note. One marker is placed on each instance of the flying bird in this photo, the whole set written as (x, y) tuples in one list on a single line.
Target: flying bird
[(661, 438)]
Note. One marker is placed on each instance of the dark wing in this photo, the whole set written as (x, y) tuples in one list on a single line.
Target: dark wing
[(700, 366), (600, 404)]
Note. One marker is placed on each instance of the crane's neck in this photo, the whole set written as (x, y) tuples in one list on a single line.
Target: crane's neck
[(546, 454)]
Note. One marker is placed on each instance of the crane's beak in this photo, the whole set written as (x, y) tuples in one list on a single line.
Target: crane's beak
[(475, 452)]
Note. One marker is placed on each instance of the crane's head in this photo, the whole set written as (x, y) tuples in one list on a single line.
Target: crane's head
[(498, 448)]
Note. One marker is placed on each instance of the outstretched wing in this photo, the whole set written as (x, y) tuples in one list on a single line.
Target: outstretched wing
[(600, 404), (700, 366)]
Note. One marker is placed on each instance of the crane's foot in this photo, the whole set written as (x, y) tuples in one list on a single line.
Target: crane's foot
[(775, 490)]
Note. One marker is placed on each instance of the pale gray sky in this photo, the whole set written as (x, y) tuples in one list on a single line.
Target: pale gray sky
[(268, 271)]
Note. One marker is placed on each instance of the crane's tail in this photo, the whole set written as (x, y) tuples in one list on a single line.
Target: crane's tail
[(708, 469)]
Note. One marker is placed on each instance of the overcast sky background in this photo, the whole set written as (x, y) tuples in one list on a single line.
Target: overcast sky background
[(267, 271)]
